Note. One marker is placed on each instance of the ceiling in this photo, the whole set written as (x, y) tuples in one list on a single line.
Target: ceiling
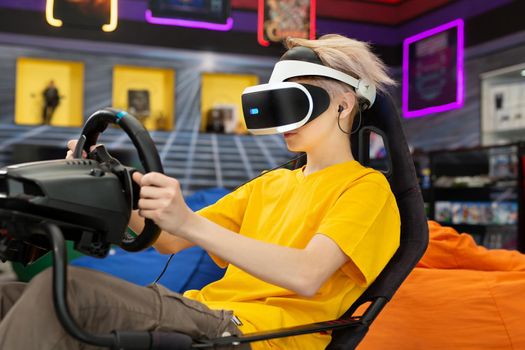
[(383, 12)]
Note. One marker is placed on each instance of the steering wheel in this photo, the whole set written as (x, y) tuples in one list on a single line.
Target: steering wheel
[(148, 155)]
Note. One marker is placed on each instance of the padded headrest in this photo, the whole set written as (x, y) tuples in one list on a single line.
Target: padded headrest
[(301, 53)]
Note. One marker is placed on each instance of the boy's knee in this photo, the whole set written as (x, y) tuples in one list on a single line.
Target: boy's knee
[(44, 280)]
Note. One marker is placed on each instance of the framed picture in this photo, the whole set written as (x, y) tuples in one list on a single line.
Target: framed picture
[(278, 20), (433, 73), (138, 103), (148, 93)]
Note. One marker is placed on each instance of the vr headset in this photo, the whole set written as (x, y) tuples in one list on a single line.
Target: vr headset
[(280, 106)]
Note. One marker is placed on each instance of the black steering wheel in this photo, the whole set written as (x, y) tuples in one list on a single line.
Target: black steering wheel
[(149, 158)]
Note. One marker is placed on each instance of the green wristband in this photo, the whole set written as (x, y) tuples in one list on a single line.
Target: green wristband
[(131, 232)]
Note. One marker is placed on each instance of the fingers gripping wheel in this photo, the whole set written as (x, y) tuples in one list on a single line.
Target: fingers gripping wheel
[(149, 158)]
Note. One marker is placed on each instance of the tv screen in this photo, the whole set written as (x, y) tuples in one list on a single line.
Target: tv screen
[(214, 11)]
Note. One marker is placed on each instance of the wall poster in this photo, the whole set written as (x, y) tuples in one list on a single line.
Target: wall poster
[(278, 20), (433, 77)]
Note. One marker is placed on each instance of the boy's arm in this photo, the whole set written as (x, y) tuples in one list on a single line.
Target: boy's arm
[(166, 243), (300, 270)]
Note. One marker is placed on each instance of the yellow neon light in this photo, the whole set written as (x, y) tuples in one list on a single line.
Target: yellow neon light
[(49, 14), (113, 17)]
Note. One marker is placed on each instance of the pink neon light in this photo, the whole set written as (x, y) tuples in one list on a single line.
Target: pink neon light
[(187, 23), (312, 19), (260, 22), (460, 73)]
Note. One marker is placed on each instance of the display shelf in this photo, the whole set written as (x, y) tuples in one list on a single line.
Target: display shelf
[(476, 194), (480, 191), (490, 236)]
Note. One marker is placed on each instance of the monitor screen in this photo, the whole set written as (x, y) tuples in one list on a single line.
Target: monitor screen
[(214, 11)]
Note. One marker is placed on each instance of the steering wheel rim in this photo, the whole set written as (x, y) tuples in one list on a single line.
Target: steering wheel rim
[(148, 155)]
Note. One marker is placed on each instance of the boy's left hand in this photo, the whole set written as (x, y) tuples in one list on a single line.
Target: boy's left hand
[(161, 200)]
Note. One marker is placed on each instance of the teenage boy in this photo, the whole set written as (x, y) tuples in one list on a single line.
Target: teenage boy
[(300, 246)]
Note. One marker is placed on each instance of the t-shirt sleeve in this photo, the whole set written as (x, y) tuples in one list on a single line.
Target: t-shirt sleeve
[(228, 212), (364, 222)]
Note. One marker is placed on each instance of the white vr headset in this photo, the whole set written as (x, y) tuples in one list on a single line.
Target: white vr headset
[(280, 106)]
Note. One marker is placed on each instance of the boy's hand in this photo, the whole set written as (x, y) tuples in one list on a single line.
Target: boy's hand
[(71, 144), (161, 201)]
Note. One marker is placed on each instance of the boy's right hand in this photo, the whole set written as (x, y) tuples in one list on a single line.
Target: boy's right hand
[(71, 144)]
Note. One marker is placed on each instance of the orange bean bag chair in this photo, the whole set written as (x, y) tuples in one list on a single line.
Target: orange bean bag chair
[(460, 296)]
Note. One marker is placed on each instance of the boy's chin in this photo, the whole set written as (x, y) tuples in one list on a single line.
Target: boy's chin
[(294, 148)]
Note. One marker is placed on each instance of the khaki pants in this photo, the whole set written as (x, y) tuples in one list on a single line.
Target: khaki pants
[(100, 303)]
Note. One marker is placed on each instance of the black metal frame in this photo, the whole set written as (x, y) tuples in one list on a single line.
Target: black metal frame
[(115, 340)]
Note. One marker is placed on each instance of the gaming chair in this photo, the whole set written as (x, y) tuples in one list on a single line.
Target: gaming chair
[(349, 330)]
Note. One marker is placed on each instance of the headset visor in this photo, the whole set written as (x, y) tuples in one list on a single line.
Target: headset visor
[(280, 107)]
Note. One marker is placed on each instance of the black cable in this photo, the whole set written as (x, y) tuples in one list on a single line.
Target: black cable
[(164, 269), (353, 131)]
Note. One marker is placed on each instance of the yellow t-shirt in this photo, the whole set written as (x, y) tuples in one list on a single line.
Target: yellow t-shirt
[(352, 205)]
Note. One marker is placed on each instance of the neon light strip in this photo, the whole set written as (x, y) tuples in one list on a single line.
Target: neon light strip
[(111, 26), (260, 22), (113, 19), (187, 23), (312, 19), (460, 72), (50, 18)]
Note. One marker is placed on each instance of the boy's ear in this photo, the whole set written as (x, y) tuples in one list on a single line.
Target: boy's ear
[(349, 101)]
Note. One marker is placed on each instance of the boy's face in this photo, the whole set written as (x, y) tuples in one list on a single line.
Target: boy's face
[(313, 134)]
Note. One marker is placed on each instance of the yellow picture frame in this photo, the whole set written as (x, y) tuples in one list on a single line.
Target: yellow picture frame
[(158, 84), (33, 76), (224, 89)]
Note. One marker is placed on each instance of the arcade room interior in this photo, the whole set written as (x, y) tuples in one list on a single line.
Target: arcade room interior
[(262, 174)]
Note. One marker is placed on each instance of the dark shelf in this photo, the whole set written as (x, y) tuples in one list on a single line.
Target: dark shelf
[(479, 162), (475, 194), (476, 188), (480, 226)]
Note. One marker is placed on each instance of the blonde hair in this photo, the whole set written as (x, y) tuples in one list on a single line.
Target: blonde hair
[(347, 55)]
